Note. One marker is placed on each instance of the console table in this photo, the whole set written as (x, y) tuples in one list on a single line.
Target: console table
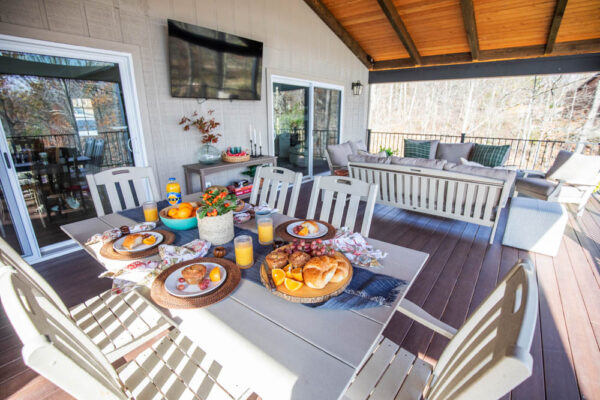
[(206, 169)]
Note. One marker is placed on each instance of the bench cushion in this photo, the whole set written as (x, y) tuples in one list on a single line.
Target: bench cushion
[(418, 162), (368, 159), (538, 187)]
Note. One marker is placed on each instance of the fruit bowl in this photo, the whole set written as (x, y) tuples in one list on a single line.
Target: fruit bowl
[(182, 224)]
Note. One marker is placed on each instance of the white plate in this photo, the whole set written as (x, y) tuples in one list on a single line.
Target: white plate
[(322, 231), (118, 244), (193, 290)]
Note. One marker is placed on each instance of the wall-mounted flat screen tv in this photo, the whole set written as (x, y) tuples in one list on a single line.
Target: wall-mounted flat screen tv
[(210, 64)]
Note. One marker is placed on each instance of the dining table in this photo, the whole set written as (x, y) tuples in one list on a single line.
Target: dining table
[(280, 349)]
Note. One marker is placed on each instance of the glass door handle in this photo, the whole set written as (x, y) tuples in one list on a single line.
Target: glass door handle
[(7, 160), (130, 145)]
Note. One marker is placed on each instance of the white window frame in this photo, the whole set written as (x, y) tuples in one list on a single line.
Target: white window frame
[(132, 110)]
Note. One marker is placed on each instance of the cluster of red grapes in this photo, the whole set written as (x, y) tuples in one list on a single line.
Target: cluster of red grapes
[(314, 248), (202, 285)]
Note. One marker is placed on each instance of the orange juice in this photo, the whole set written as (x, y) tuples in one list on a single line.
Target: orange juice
[(244, 254), (173, 192), (265, 230), (150, 212)]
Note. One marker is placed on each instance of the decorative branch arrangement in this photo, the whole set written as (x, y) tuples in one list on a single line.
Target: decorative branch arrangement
[(204, 125)]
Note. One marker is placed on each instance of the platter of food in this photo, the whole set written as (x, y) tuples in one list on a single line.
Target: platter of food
[(307, 229), (137, 242), (195, 279), (306, 272), (242, 207)]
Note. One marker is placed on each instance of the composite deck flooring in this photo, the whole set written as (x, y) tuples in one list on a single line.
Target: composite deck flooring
[(462, 269)]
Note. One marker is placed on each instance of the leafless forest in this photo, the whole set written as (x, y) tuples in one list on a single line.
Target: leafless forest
[(549, 107)]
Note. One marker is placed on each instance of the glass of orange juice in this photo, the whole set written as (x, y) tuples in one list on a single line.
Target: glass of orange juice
[(150, 211), (244, 253), (264, 225)]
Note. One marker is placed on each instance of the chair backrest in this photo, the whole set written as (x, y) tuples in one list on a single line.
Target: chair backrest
[(124, 178), (9, 257), (272, 178), (53, 345), (489, 355), (575, 169), (343, 188)]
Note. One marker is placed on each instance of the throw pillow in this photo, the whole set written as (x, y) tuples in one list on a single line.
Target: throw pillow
[(358, 146), (469, 163), (452, 152), (338, 154), (489, 155), (420, 148)]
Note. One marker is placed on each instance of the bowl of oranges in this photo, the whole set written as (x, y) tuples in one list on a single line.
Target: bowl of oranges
[(180, 217)]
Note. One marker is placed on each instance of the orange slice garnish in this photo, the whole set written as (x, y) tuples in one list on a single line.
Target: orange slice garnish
[(149, 240), (292, 285), (297, 274), (215, 274), (278, 276), (288, 271)]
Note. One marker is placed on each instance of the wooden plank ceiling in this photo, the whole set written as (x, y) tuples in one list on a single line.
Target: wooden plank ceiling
[(393, 34)]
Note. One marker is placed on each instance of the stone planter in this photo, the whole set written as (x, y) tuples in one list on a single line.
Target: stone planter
[(217, 230)]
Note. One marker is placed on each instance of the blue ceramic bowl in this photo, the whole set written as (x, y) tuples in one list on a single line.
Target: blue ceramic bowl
[(177, 224)]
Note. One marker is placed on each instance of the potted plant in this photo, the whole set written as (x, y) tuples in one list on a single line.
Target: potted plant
[(215, 215), (208, 153)]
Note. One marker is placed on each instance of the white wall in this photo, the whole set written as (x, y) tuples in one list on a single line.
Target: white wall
[(296, 43)]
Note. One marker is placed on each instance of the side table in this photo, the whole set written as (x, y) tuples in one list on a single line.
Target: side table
[(206, 169)]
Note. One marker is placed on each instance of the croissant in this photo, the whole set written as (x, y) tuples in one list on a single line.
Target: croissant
[(318, 271), (342, 268)]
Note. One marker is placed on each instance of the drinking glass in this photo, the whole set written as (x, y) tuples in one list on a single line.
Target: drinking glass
[(244, 253), (265, 229), (150, 211)]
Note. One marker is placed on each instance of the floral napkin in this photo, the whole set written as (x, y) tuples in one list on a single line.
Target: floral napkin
[(143, 273), (355, 247), (116, 233)]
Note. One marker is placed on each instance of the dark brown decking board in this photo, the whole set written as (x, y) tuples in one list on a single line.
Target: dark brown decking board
[(462, 269)]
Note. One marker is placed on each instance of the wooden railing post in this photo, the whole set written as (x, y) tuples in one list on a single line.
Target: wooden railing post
[(462, 137)]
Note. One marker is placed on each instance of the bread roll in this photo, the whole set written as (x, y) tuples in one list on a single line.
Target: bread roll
[(318, 271), (194, 273), (298, 259), (342, 268), (132, 241)]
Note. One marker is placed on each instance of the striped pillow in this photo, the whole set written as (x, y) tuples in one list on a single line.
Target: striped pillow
[(490, 156), (417, 148)]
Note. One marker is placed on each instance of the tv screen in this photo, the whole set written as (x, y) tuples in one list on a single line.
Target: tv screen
[(213, 65)]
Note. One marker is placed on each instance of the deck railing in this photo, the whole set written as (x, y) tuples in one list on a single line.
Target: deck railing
[(115, 152), (524, 153)]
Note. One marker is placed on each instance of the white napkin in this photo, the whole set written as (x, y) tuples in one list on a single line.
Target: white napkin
[(116, 233), (356, 249)]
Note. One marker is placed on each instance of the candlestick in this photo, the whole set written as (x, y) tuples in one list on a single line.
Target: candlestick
[(260, 147), (251, 152), (255, 153)]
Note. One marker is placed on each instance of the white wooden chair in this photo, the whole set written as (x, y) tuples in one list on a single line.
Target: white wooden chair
[(272, 178), (138, 176), (53, 346), (485, 359), (344, 190), (116, 323)]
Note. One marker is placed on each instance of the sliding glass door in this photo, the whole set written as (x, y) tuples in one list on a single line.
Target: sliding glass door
[(306, 117)]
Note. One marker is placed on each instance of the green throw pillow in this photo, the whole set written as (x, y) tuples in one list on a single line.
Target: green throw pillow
[(416, 148), (490, 156)]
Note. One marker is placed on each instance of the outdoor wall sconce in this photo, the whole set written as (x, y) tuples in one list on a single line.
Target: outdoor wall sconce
[(357, 88)]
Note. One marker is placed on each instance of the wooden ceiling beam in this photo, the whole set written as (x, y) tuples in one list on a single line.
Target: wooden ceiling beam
[(559, 11), (563, 48), (390, 11), (468, 13), (323, 12)]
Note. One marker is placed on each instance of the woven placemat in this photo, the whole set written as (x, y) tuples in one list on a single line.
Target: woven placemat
[(110, 253), (282, 232), (164, 299)]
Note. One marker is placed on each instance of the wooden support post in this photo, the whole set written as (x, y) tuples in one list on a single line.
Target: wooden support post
[(468, 14), (390, 11), (559, 11)]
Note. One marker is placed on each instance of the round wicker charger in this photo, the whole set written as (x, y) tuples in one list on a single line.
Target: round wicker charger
[(306, 294), (164, 299), (281, 231), (110, 253)]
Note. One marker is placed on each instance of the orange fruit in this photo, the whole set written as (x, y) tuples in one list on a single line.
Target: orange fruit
[(183, 213), (278, 276), (149, 240), (303, 231), (215, 274), (172, 212), (292, 285), (185, 205), (288, 271), (297, 274)]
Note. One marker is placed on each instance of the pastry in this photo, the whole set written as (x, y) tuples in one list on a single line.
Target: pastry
[(132, 241), (240, 205), (318, 271), (311, 226), (276, 259), (342, 268), (194, 273), (298, 259)]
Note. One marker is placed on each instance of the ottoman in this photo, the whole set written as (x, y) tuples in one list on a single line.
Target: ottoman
[(535, 225)]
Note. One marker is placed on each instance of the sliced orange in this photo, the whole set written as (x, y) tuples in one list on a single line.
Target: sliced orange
[(297, 274), (303, 231), (288, 271), (172, 212), (149, 240), (278, 276), (215, 274), (292, 285)]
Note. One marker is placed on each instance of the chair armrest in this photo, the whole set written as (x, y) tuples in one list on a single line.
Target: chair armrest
[(421, 316), (532, 173), (556, 192)]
